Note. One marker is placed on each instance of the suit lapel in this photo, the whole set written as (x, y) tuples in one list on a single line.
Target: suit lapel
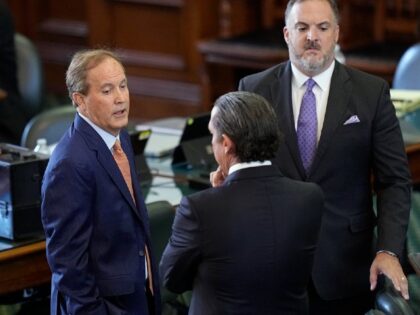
[(126, 144), (281, 91), (105, 159), (108, 163), (338, 100)]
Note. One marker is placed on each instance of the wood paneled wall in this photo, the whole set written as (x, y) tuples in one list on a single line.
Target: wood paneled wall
[(155, 38)]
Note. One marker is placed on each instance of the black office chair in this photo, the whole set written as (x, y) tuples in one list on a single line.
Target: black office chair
[(50, 124), (413, 247), (387, 299), (390, 302), (161, 216), (30, 75), (407, 73)]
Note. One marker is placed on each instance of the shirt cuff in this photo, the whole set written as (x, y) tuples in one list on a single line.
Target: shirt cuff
[(387, 252)]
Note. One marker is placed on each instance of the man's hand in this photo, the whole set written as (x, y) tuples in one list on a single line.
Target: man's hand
[(389, 266), (217, 177), (3, 94)]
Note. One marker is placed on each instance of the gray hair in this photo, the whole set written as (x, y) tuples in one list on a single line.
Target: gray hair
[(250, 121), (81, 62), (332, 3)]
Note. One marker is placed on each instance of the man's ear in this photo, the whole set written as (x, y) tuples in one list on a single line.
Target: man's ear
[(286, 34), (228, 144), (79, 100)]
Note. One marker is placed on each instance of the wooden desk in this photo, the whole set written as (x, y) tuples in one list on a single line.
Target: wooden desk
[(24, 264), (23, 267)]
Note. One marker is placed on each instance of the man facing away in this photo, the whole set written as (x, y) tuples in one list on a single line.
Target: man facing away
[(245, 247), (93, 212), (340, 129)]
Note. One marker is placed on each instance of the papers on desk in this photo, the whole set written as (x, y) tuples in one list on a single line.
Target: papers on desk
[(407, 105), (405, 101), (166, 134), (164, 188)]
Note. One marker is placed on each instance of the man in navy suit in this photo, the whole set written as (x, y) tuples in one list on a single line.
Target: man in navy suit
[(357, 136), (245, 247), (95, 221)]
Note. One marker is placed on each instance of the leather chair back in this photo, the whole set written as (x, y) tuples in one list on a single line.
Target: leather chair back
[(161, 217), (30, 75), (390, 302), (50, 124), (407, 73)]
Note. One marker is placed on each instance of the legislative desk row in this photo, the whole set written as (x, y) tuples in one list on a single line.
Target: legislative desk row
[(23, 263)]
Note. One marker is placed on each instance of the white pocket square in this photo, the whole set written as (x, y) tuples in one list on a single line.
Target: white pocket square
[(352, 120)]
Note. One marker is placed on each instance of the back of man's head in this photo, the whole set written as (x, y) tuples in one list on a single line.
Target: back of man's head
[(250, 121)]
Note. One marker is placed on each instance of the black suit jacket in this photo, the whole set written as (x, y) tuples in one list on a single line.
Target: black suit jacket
[(347, 155), (95, 233), (246, 247)]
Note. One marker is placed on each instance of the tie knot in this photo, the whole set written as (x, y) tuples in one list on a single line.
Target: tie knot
[(117, 146), (310, 83)]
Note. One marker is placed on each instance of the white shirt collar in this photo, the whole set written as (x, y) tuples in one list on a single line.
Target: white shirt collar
[(108, 138), (322, 80), (240, 166)]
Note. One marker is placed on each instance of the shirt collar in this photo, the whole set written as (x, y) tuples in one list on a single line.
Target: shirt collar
[(108, 138), (240, 166), (322, 80)]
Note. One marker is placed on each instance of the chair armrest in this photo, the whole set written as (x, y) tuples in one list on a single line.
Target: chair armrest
[(390, 302)]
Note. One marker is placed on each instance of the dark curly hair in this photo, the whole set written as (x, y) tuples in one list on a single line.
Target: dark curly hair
[(250, 121)]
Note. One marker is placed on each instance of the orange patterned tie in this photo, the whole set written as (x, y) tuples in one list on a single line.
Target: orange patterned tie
[(124, 167)]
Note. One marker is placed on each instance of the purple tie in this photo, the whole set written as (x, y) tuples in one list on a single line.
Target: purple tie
[(307, 126)]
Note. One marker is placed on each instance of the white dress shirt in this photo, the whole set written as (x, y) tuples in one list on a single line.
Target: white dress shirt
[(321, 91), (109, 140), (240, 166)]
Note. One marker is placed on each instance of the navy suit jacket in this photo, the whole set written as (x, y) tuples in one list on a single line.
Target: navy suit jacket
[(96, 234), (247, 246), (348, 154)]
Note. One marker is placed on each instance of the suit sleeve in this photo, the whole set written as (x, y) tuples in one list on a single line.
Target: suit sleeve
[(67, 192), (392, 177), (181, 257)]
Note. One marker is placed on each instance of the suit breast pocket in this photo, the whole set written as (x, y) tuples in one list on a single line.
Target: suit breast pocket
[(352, 137)]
